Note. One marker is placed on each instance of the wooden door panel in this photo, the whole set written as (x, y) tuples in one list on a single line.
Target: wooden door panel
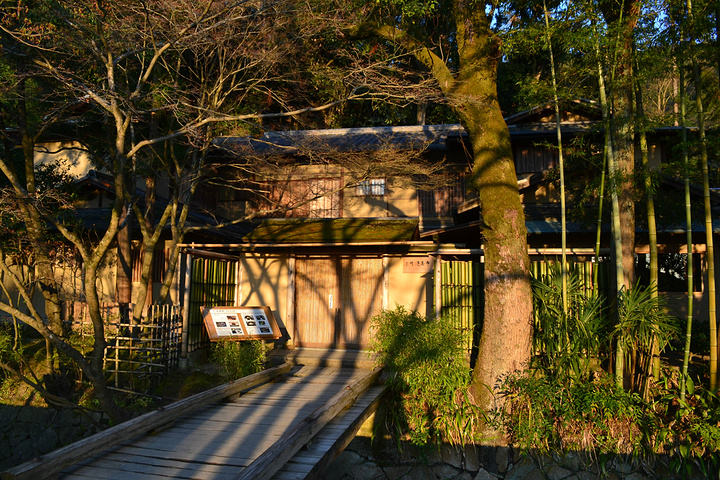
[(316, 282), (335, 298), (361, 285)]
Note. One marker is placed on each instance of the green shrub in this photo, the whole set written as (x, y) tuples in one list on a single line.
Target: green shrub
[(688, 430), (429, 376), (642, 321), (546, 414), (239, 359)]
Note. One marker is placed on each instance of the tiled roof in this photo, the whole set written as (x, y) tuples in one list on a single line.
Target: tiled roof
[(343, 139)]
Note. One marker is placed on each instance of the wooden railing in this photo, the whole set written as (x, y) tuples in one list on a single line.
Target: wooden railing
[(47, 466)]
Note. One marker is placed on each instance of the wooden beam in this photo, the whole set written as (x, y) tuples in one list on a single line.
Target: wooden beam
[(46, 466), (272, 460), (347, 436)]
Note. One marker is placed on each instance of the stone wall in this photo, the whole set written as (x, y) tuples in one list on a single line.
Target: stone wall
[(379, 457), (27, 432)]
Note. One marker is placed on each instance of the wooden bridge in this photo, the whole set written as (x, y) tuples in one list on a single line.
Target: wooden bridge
[(287, 422)]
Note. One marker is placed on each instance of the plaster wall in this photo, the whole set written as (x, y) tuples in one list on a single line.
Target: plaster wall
[(70, 154), (264, 281), (412, 290)]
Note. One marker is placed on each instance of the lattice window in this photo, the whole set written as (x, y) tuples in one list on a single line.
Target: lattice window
[(442, 201), (371, 187), (534, 159)]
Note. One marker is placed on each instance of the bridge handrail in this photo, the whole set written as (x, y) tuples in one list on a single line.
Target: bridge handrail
[(46, 466), (273, 459)]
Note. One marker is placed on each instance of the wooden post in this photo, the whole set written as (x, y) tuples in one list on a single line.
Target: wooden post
[(386, 282), (438, 286), (238, 281), (186, 309), (290, 307)]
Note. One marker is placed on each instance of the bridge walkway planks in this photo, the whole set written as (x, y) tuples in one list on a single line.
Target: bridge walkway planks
[(221, 439)]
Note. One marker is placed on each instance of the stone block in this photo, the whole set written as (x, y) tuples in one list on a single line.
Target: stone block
[(345, 464), (396, 473), (47, 441), (35, 415), (484, 475), (445, 471), (24, 451), (472, 458), (463, 476), (502, 459), (571, 461), (367, 470), (17, 435), (8, 416), (525, 469), (622, 465), (363, 447), (451, 455), (422, 472), (556, 472)]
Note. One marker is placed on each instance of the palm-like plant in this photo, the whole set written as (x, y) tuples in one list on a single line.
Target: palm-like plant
[(642, 321), (565, 342)]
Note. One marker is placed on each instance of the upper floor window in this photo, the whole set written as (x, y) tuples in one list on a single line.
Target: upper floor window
[(442, 201), (533, 158), (371, 187)]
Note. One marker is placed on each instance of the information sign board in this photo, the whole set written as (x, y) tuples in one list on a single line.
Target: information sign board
[(240, 323)]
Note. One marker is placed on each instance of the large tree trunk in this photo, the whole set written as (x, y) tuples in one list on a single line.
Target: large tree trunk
[(625, 20), (506, 336)]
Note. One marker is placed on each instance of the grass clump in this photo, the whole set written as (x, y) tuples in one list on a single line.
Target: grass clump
[(239, 359), (429, 376)]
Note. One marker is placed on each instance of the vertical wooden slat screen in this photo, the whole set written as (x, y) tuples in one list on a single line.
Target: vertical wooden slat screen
[(213, 284), (539, 267), (462, 295)]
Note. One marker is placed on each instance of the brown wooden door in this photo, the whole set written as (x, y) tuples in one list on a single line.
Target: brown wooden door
[(316, 289), (335, 298)]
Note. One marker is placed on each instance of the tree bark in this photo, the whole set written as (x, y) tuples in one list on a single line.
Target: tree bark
[(506, 335)]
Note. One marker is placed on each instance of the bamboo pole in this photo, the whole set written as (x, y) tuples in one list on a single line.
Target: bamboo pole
[(709, 242), (688, 230), (563, 226), (617, 241)]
